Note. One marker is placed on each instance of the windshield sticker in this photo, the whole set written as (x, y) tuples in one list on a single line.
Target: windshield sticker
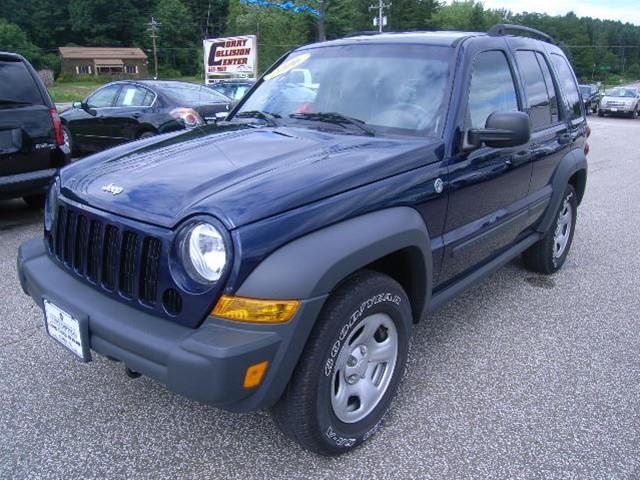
[(288, 65)]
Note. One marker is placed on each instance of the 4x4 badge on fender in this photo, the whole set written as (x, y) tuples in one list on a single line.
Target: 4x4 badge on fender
[(112, 189)]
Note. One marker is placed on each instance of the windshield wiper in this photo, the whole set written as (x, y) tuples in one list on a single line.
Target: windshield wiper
[(334, 118), (270, 118)]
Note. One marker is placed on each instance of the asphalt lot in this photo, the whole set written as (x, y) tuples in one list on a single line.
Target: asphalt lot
[(524, 376)]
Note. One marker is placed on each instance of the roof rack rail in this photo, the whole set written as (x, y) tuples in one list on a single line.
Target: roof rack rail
[(363, 33), (502, 29)]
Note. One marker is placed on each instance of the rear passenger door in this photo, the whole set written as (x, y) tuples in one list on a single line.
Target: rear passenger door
[(550, 137), (488, 185)]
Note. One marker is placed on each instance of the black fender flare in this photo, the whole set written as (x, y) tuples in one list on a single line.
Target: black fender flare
[(314, 264), (573, 162)]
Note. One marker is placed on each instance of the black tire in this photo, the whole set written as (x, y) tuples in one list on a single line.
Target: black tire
[(305, 412), (600, 113), (35, 201), (540, 257), (146, 134)]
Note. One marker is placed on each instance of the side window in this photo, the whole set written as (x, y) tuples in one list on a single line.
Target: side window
[(551, 88), (133, 96), (492, 88), (568, 85), (535, 88), (103, 97)]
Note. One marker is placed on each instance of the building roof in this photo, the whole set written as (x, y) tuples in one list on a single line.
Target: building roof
[(92, 53)]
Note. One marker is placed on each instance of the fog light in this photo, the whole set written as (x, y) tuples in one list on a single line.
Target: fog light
[(257, 311), (254, 375)]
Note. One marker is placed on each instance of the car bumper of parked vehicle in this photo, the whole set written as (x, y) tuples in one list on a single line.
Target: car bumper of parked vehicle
[(207, 364), (617, 110), (23, 184)]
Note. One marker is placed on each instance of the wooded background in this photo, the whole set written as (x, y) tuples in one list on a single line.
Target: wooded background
[(599, 49)]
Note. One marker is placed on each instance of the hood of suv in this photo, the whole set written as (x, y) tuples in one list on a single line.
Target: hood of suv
[(237, 173)]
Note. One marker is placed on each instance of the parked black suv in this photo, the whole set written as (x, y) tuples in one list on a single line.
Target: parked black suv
[(31, 140), (280, 259)]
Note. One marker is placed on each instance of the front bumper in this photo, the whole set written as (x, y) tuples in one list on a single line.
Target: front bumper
[(617, 110), (207, 364)]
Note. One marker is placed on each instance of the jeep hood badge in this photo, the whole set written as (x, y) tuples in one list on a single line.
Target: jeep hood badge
[(112, 189)]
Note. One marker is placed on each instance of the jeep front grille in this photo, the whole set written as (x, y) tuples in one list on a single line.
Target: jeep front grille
[(108, 255)]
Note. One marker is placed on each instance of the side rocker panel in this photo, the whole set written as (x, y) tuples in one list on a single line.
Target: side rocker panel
[(313, 265)]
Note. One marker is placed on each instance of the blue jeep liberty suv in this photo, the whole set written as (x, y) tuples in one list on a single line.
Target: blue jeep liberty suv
[(279, 258)]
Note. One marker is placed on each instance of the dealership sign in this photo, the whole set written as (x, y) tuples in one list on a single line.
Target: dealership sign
[(231, 57)]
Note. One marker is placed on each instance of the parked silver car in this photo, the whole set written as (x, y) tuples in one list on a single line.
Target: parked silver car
[(620, 101)]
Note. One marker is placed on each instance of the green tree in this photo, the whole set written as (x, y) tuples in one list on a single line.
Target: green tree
[(13, 39), (178, 40)]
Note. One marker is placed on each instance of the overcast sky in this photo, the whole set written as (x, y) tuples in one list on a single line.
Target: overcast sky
[(623, 10)]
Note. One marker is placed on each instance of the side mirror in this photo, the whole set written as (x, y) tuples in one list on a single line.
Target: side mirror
[(76, 105), (502, 130), (85, 106)]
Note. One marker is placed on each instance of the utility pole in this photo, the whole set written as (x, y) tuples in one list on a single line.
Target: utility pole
[(154, 26), (381, 19)]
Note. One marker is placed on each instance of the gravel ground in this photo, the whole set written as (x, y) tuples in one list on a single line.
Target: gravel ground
[(522, 377)]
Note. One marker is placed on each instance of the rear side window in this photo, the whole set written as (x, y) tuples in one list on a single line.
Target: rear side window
[(551, 88), (492, 88), (17, 85), (535, 88), (568, 85), (133, 96)]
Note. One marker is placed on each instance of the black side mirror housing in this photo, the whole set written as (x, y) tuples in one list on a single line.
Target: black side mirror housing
[(502, 130), (85, 106)]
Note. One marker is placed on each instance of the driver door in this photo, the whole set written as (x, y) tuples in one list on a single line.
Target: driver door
[(89, 130)]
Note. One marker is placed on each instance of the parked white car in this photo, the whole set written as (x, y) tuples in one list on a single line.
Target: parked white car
[(620, 101)]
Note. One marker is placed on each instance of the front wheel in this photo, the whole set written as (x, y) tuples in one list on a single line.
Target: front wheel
[(354, 360), (549, 254)]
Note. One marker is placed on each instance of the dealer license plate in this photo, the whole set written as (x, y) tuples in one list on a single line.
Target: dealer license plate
[(614, 109), (64, 328)]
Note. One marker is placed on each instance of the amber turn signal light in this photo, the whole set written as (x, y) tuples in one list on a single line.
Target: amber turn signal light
[(254, 375), (253, 310)]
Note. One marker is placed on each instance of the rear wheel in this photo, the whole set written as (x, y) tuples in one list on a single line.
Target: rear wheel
[(600, 113), (348, 375), (549, 254), (68, 139)]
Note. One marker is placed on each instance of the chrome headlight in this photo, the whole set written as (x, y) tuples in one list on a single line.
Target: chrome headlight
[(50, 206), (203, 252)]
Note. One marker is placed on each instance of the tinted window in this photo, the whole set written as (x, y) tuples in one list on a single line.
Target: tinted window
[(133, 96), (188, 95), (535, 88), (103, 97), (568, 85), (17, 84), (492, 88), (551, 88)]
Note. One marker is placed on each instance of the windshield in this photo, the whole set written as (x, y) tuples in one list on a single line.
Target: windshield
[(396, 89), (189, 95), (586, 91), (622, 92)]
